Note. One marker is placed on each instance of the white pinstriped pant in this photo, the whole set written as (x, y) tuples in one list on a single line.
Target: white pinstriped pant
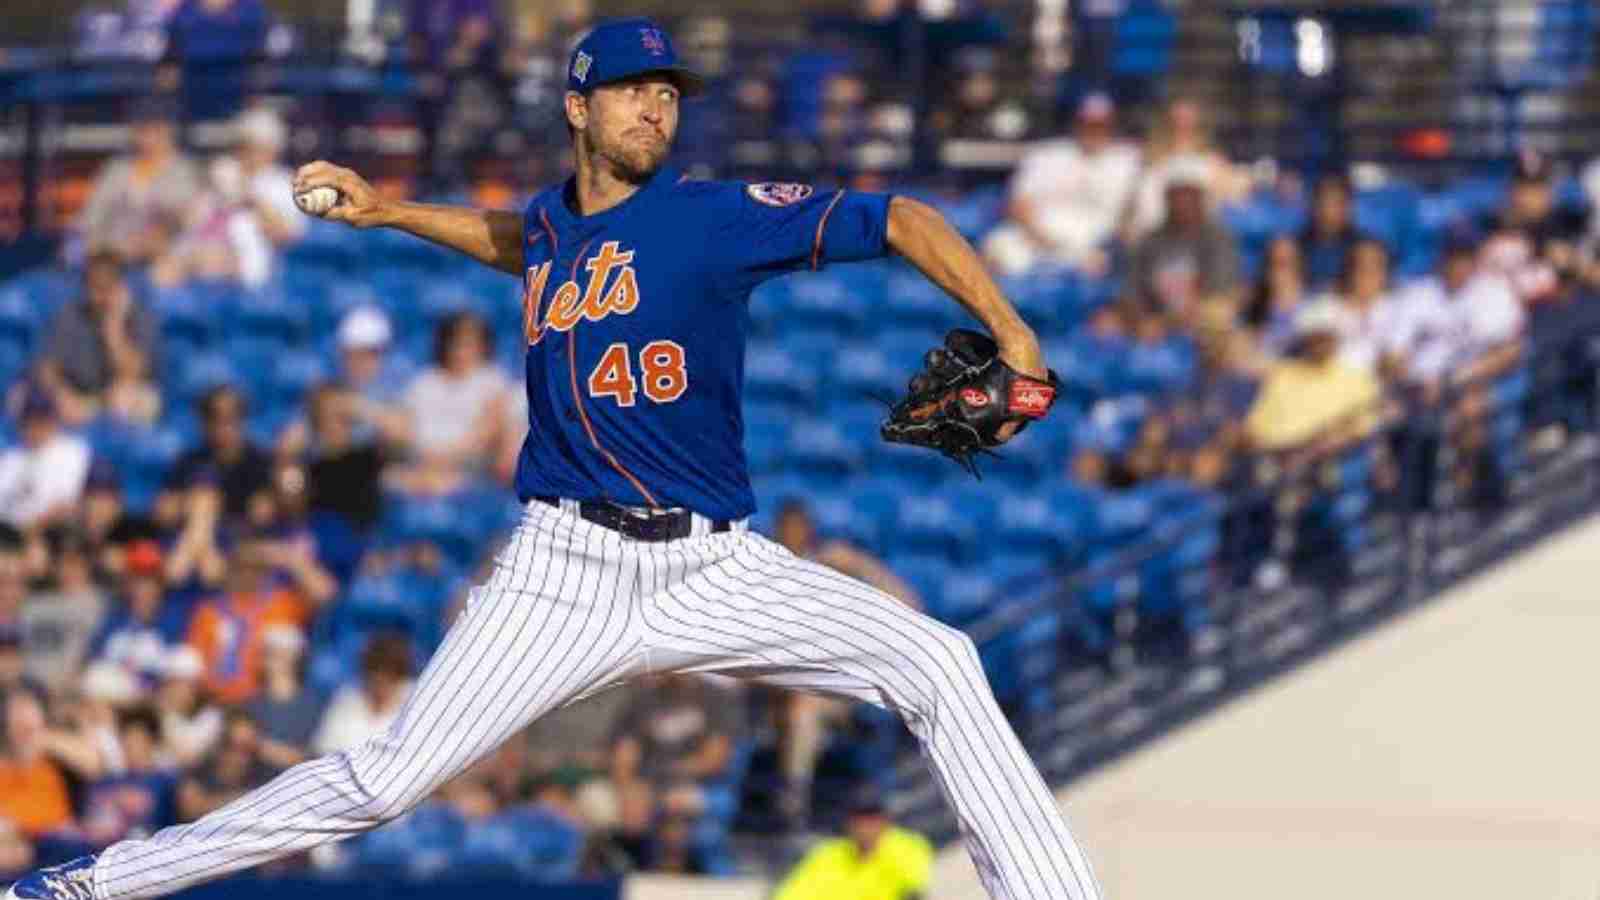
[(571, 609)]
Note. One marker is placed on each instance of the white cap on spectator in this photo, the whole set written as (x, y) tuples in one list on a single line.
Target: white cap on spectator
[(283, 637), (1188, 170), (1323, 316), (110, 683), (1096, 107), (183, 663), (261, 127), (364, 328)]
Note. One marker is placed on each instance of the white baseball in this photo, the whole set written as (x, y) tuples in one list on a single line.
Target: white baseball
[(317, 201)]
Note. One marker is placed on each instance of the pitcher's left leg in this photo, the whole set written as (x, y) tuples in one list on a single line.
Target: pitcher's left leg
[(753, 609)]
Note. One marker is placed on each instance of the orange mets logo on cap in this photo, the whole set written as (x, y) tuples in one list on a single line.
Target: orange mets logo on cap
[(777, 193)]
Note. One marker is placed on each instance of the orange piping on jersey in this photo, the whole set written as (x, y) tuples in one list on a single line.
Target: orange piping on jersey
[(816, 246), (577, 398)]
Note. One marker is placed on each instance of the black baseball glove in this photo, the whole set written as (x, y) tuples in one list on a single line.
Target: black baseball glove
[(962, 398)]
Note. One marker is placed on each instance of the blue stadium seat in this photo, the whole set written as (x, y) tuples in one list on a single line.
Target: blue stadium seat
[(766, 437), (187, 319), (821, 447), (775, 373), (836, 516), (910, 300), (23, 318), (200, 372), (865, 370), (1121, 518), (928, 572), (968, 594), (528, 844), (269, 313), (824, 300), (418, 846), (932, 522), (292, 376)]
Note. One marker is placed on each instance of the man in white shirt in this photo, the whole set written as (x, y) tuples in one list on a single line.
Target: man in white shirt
[(41, 481), (253, 198), (1463, 323), (1068, 196)]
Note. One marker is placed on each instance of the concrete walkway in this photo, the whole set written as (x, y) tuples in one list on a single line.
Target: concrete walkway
[(1454, 753)]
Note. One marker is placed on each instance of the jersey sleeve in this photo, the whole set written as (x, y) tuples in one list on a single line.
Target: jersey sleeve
[(776, 228)]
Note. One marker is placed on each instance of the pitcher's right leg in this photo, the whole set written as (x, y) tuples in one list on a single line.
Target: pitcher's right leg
[(554, 620)]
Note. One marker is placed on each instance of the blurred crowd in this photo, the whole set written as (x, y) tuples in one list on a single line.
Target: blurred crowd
[(158, 659), (1294, 361)]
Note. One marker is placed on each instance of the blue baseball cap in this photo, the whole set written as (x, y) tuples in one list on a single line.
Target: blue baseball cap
[(623, 48)]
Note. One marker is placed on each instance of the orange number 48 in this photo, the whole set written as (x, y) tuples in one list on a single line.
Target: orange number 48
[(660, 364)]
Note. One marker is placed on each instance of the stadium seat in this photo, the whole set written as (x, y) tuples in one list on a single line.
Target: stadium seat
[(269, 313), (864, 370), (821, 447), (933, 523), (774, 373), (527, 844)]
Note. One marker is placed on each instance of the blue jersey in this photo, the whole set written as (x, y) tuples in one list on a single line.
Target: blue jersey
[(635, 320)]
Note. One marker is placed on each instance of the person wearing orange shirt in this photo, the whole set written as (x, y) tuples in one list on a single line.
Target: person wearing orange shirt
[(33, 792), (227, 631)]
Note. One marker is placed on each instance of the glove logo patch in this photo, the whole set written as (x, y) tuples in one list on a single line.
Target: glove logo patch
[(1031, 398), (971, 396), (778, 193)]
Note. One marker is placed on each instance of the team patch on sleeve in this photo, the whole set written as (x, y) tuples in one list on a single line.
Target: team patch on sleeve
[(778, 193)]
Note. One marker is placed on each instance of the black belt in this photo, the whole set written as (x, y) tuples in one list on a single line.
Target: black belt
[(653, 527)]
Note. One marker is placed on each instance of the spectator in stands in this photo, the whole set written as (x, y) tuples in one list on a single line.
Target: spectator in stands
[(1279, 294), (191, 725), (460, 408), (1190, 256), (42, 480), (369, 377), (1181, 142), (1068, 197), (33, 787), (359, 711), (215, 41), (13, 665), (343, 460), (102, 350), (1465, 323), (227, 461), (1331, 234), (1376, 335), (104, 519), (675, 735), (1531, 241), (287, 710), (1206, 418), (138, 800), (228, 631), (232, 769), (797, 531), (1313, 403), (250, 213), (139, 634), (135, 195), (971, 106), (59, 624), (874, 860), (310, 555)]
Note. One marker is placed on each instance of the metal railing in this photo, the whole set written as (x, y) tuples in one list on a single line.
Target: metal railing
[(1293, 585)]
